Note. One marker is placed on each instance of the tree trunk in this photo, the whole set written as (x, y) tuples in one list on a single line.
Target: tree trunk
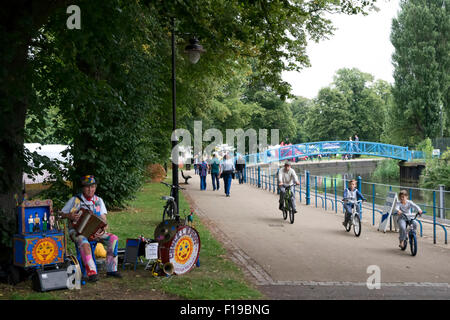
[(20, 20)]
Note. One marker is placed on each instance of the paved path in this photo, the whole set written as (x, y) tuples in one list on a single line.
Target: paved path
[(315, 258)]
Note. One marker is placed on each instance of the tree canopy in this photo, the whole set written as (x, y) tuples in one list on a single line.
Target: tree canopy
[(107, 84), (420, 36)]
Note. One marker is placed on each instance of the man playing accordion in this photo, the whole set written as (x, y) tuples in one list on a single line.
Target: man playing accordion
[(88, 200)]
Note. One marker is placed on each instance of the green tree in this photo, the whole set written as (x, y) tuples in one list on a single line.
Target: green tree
[(94, 73), (329, 118), (353, 104), (420, 36), (300, 107)]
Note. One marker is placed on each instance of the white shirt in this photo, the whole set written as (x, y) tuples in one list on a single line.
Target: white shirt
[(406, 208), (287, 177), (227, 165)]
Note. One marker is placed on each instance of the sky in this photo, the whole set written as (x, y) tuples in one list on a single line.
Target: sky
[(358, 42)]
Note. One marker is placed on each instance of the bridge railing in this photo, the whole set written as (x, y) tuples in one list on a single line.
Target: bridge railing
[(324, 148), (327, 192)]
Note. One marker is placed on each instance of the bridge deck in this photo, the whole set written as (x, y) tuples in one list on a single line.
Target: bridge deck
[(315, 249)]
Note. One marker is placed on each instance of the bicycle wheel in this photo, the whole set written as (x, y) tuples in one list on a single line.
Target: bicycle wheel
[(285, 213), (413, 243), (357, 225), (348, 226), (170, 210), (291, 214)]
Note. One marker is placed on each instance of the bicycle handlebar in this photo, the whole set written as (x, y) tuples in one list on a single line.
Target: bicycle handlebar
[(358, 201), (172, 185)]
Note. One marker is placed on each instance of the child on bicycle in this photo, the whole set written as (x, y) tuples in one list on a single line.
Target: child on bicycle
[(351, 195), (403, 209)]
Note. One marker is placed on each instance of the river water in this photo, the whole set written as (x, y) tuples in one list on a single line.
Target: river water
[(369, 185)]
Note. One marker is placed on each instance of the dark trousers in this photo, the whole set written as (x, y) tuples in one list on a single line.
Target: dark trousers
[(202, 182), (348, 210), (240, 176), (227, 177), (215, 181)]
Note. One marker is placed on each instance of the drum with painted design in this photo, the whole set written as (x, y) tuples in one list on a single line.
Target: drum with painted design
[(182, 250)]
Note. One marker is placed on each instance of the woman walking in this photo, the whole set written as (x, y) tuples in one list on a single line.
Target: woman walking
[(226, 172), (203, 172)]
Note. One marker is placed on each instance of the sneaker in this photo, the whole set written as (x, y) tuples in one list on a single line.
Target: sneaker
[(115, 274), (344, 224), (280, 207), (295, 211), (93, 278)]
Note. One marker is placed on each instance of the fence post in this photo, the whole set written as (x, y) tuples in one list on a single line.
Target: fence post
[(253, 175), (315, 189), (335, 195), (359, 184), (259, 176), (300, 187), (344, 181), (308, 191), (441, 201), (434, 217), (373, 204)]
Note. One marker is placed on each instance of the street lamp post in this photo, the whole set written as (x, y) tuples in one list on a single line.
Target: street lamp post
[(193, 50)]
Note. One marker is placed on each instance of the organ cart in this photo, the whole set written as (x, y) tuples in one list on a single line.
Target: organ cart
[(39, 247)]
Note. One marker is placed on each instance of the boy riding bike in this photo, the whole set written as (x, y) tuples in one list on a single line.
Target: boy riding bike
[(403, 209), (286, 177), (351, 195)]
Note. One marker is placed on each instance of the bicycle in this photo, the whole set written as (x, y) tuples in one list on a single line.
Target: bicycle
[(287, 208), (170, 208), (411, 236), (354, 220)]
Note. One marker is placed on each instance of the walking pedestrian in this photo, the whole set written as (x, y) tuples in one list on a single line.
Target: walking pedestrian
[(215, 171), (203, 172), (240, 167), (357, 143), (226, 172), (196, 164)]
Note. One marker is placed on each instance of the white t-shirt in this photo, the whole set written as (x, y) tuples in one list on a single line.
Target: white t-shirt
[(406, 208), (287, 177)]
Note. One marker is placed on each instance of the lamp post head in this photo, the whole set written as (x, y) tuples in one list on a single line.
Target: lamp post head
[(194, 50)]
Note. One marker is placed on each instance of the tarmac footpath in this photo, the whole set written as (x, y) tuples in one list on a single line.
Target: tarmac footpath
[(315, 258)]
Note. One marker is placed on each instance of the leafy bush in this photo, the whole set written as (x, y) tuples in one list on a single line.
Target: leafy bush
[(437, 172), (427, 147), (387, 169)]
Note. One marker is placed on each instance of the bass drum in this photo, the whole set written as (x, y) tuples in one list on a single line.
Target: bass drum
[(182, 250)]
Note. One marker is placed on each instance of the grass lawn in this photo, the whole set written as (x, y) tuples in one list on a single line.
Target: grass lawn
[(216, 278)]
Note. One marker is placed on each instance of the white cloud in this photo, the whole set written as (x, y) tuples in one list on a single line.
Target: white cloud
[(359, 42)]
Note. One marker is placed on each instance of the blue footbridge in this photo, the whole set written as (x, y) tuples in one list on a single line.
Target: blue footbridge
[(326, 148)]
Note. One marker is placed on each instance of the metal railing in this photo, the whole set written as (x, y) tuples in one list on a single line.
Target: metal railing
[(325, 148), (330, 191)]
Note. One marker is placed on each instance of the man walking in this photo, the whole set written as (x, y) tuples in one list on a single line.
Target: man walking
[(215, 171), (226, 172), (240, 167)]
